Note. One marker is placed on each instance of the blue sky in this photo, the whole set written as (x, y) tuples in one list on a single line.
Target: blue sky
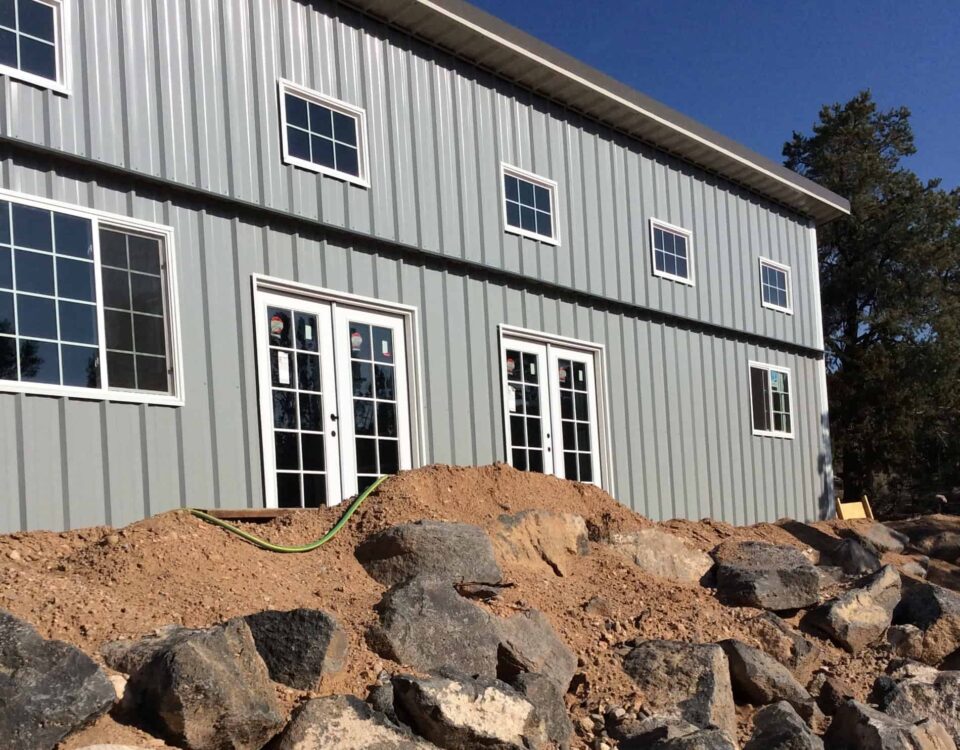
[(756, 70)]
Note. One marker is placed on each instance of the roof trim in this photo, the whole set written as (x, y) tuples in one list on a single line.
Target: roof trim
[(484, 40)]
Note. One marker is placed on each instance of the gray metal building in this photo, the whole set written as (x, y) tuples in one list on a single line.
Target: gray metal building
[(255, 252)]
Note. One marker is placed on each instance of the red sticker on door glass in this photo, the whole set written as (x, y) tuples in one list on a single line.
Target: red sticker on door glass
[(511, 365), (356, 341), (563, 374), (276, 326)]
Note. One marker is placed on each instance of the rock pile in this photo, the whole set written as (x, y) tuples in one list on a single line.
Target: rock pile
[(462, 671)]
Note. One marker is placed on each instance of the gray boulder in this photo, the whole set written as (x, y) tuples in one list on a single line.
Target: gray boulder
[(298, 646), (128, 655), (702, 739), (936, 611), (761, 679), (663, 555), (831, 692), (209, 690), (460, 713), (543, 693), (905, 641), (881, 538), (766, 576), (689, 681), (425, 624), (343, 722), (528, 643), (856, 726), (931, 696), (786, 644), (48, 689), (778, 727), (854, 558), (944, 545), (859, 617), (660, 733), (454, 552)]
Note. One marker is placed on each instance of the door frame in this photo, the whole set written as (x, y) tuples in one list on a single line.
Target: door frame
[(261, 284), (599, 354)]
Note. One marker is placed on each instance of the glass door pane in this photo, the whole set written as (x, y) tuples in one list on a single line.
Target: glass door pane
[(527, 405), (573, 385)]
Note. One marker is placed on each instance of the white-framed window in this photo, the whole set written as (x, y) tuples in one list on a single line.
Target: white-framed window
[(775, 288), (530, 205), (32, 42), (671, 249), (323, 134), (770, 400), (87, 304)]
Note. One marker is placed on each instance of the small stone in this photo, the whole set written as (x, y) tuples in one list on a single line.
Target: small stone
[(14, 555), (112, 540)]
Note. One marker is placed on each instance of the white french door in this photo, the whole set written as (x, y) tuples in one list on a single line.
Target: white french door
[(334, 398), (552, 408)]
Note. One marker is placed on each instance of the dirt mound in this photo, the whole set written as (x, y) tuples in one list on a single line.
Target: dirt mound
[(94, 585)]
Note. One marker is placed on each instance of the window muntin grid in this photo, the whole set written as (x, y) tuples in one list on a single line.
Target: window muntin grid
[(526, 427), (529, 205), (29, 37), (51, 302), (770, 401), (671, 253), (575, 420), (775, 286), (321, 135)]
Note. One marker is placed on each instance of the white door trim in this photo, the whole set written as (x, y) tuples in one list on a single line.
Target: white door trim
[(263, 284), (599, 354)]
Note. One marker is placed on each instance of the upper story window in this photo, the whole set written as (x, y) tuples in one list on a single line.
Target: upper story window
[(672, 253), (529, 205), (31, 42), (86, 307), (770, 400), (323, 134), (775, 291)]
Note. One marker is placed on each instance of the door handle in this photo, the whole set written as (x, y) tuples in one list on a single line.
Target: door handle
[(334, 417)]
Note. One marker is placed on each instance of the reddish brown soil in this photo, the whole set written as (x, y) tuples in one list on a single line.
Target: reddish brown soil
[(94, 585)]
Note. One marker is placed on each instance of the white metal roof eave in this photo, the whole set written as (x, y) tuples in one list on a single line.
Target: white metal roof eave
[(474, 35)]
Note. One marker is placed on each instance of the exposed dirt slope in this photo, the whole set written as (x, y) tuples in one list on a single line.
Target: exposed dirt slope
[(94, 585)]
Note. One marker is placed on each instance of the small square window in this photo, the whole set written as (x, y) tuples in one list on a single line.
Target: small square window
[(670, 248), (529, 203), (775, 291), (322, 134), (31, 41), (770, 400)]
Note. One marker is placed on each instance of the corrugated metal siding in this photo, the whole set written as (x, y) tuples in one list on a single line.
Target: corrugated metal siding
[(679, 399), (186, 91)]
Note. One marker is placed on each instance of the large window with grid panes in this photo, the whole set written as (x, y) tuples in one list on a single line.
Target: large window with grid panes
[(32, 42), (86, 304)]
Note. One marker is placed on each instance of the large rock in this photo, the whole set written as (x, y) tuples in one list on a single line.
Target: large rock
[(761, 679), (905, 641), (543, 693), (543, 539), (943, 546), (786, 644), (860, 616), (881, 538), (931, 696), (460, 713), (684, 680), (209, 690), (299, 646), (859, 727), (936, 611), (48, 689), (455, 552), (854, 558), (663, 555), (778, 727), (702, 739), (528, 643), (767, 576), (343, 722), (425, 624)]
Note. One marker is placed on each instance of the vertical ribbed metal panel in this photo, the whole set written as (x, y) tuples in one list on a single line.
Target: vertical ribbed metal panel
[(187, 91)]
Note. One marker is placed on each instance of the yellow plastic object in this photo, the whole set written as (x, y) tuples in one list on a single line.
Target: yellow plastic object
[(854, 509)]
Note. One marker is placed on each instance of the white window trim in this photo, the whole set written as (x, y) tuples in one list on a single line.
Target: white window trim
[(123, 223), (599, 354), (688, 235), (507, 169), (787, 271), (360, 115), (61, 22), (262, 283), (790, 384)]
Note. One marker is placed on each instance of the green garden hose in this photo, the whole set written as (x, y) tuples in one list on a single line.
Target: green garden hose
[(264, 544)]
